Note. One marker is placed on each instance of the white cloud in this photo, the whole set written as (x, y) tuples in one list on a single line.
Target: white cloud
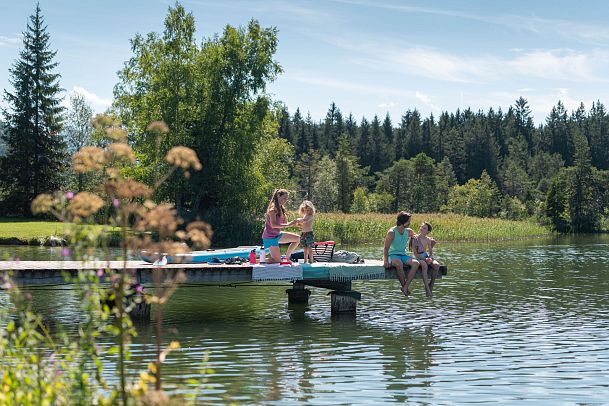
[(97, 103), (557, 64), (10, 41), (590, 33), (426, 99), (560, 64), (309, 78)]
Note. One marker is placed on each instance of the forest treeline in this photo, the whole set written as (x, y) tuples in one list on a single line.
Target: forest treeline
[(211, 94), (480, 163)]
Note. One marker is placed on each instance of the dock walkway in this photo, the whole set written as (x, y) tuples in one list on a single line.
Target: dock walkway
[(329, 275)]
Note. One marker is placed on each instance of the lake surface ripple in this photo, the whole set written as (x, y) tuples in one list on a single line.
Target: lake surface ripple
[(511, 323)]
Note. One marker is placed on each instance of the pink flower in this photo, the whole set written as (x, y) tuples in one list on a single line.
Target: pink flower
[(100, 273), (139, 288), (116, 203), (69, 195), (7, 286), (65, 252)]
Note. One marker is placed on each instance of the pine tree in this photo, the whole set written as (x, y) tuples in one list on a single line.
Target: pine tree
[(351, 131), (389, 143), (524, 122), (348, 173), (377, 138), (598, 133), (333, 127), (285, 129), (363, 146), (584, 209), (35, 154)]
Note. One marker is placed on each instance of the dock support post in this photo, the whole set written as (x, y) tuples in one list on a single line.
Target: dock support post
[(298, 293), (140, 310), (344, 301)]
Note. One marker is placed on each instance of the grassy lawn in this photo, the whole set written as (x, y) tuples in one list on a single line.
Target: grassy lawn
[(29, 230)]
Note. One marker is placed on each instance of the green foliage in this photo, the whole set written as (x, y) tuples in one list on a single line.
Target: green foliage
[(212, 98), (380, 202), (70, 371), (477, 197), (574, 202), (360, 201), (35, 155), (325, 186), (348, 174), (416, 184), (556, 205), (365, 202), (274, 161), (513, 209)]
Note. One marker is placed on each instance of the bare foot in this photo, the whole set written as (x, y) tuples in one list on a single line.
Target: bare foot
[(405, 291)]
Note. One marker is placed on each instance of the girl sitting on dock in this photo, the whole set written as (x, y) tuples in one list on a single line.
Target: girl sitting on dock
[(275, 220), (394, 251), (422, 248)]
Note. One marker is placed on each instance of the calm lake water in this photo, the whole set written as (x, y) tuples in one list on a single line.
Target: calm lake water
[(516, 322)]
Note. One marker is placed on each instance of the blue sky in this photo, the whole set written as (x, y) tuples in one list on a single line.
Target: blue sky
[(370, 57)]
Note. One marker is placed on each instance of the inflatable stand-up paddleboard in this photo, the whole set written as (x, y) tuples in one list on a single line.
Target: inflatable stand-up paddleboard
[(194, 257)]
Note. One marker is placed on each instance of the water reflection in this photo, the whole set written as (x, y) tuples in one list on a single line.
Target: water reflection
[(511, 322)]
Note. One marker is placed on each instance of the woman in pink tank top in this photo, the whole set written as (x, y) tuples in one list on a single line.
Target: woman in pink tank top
[(275, 220)]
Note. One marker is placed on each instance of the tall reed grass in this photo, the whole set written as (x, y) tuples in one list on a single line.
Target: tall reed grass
[(371, 227)]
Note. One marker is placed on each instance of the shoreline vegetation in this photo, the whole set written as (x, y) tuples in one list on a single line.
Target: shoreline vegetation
[(339, 227)]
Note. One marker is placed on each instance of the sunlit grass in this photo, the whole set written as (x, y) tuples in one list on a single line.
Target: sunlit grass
[(343, 228), (357, 228), (30, 231)]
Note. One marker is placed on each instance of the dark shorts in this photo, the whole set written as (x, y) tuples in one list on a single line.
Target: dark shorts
[(307, 239)]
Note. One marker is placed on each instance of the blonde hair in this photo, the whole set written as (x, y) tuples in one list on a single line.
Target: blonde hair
[(274, 203), (306, 205)]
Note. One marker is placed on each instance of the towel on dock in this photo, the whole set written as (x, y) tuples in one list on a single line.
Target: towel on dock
[(348, 272), (276, 272)]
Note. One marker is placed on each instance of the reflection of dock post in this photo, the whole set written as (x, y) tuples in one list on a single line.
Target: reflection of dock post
[(298, 293), (141, 309), (344, 300)]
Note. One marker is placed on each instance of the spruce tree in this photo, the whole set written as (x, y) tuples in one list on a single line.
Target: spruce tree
[(581, 193), (35, 153)]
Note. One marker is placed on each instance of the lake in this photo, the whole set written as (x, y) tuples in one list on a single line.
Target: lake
[(512, 322)]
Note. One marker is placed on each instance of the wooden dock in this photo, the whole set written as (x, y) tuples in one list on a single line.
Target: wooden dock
[(329, 275)]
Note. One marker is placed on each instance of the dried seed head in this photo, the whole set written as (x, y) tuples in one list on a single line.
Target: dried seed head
[(85, 204), (183, 157), (158, 127), (116, 134), (126, 189), (88, 159), (43, 203), (119, 152)]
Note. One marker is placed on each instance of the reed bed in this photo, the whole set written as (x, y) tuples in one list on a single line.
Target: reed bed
[(339, 227), (372, 227)]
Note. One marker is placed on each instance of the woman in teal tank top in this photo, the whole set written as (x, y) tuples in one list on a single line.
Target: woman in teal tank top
[(394, 251)]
